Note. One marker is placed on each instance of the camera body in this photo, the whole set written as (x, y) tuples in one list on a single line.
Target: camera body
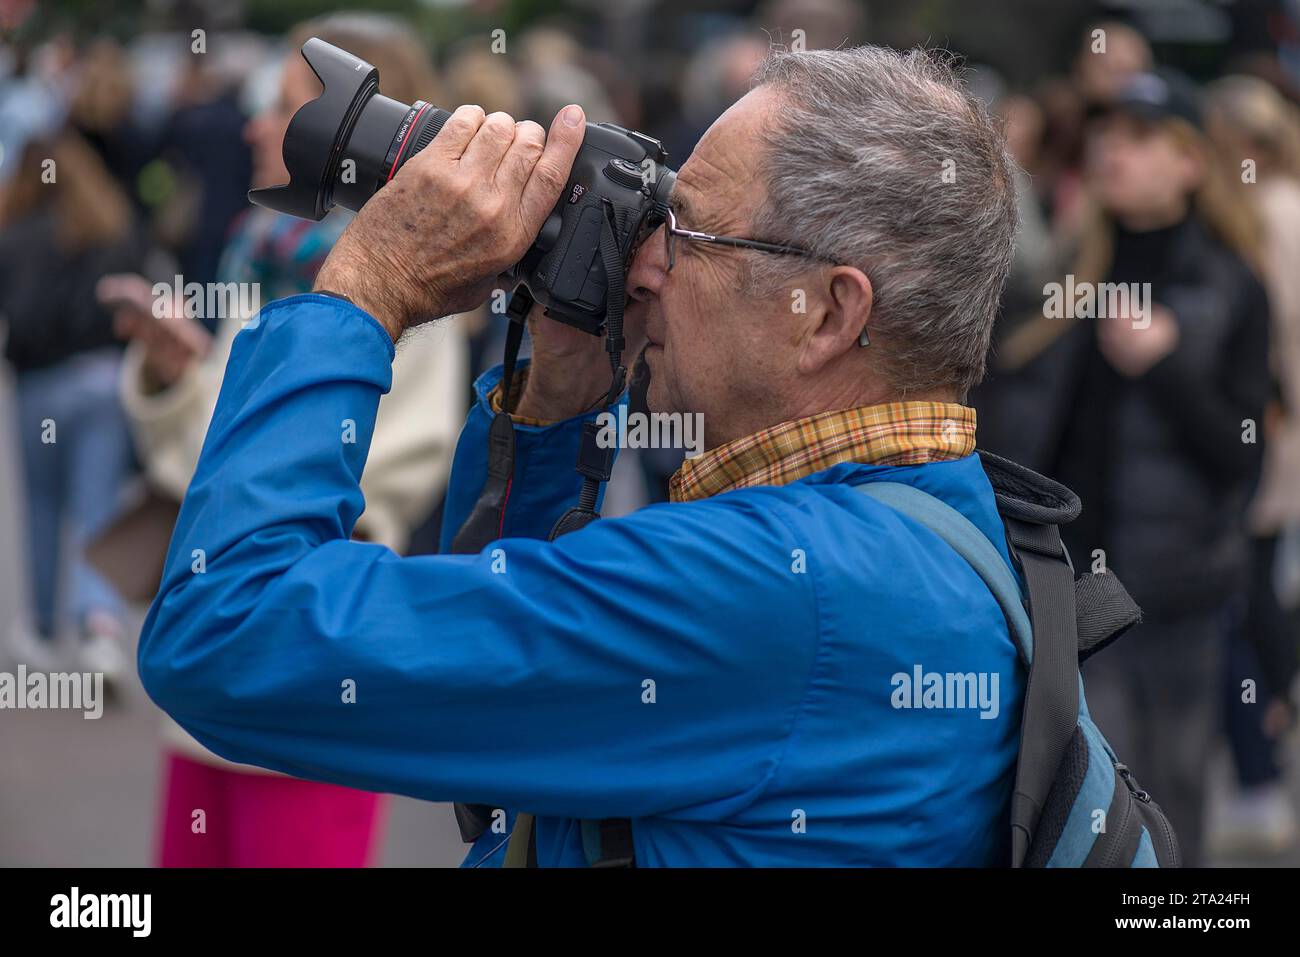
[(564, 269), (343, 146)]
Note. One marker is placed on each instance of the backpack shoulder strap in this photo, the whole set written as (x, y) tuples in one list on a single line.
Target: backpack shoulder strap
[(968, 542), (1051, 710)]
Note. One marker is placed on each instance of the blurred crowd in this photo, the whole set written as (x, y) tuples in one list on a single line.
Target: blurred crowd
[(1172, 414), (125, 165)]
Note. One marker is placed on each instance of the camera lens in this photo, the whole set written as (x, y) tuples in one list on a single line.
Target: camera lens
[(387, 134), (341, 147)]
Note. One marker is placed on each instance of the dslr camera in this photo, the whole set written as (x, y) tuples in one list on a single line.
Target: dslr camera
[(343, 146)]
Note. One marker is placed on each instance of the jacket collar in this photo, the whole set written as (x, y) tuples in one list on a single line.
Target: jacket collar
[(894, 433)]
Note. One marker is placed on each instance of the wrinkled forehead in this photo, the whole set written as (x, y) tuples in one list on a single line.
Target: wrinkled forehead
[(721, 180)]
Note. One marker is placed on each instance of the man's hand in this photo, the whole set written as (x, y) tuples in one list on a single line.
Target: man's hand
[(462, 210), (171, 343), (569, 371)]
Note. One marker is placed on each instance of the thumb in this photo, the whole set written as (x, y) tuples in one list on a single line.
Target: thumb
[(552, 170)]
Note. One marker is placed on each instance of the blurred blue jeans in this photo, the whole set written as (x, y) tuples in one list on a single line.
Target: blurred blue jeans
[(74, 479)]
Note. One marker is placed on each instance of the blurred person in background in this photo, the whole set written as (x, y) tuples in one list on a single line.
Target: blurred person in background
[(171, 379), (474, 74), (1037, 260), (36, 85), (716, 75), (1258, 132), (211, 162), (1057, 162), (1045, 135), (101, 112), (1145, 415), (64, 224), (1111, 54), (554, 74), (620, 86), (826, 24), (1050, 144)]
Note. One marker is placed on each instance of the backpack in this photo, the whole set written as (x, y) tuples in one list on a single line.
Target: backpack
[(1074, 803)]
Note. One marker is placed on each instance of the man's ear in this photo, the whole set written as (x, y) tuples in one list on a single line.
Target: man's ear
[(839, 315)]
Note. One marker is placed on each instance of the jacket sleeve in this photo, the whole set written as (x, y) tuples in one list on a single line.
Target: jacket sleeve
[(411, 455), (647, 665)]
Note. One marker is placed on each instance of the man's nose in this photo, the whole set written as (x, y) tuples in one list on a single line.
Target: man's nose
[(649, 267)]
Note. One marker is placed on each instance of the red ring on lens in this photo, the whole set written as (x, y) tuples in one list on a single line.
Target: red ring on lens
[(401, 146)]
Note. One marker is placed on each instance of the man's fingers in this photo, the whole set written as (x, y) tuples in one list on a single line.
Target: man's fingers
[(483, 155), (517, 165), (455, 135), (552, 170)]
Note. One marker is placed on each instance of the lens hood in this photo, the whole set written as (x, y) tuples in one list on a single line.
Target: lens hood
[(348, 82)]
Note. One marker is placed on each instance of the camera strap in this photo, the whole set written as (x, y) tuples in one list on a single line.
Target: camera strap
[(486, 520), (596, 464)]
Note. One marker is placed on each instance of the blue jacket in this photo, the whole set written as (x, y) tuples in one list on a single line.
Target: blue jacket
[(727, 673)]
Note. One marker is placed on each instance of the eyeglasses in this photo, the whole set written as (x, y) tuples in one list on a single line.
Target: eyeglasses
[(672, 232)]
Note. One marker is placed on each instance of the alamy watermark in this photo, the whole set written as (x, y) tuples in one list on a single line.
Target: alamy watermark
[(947, 691), (212, 300), (651, 430), (60, 690), (1104, 300), (74, 909)]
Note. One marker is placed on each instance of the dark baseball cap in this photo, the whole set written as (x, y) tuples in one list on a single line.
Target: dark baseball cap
[(1160, 95)]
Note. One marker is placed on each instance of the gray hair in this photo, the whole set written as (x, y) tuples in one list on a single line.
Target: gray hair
[(857, 170)]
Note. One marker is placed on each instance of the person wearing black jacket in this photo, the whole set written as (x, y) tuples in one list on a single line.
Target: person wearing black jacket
[(64, 223), (1154, 417)]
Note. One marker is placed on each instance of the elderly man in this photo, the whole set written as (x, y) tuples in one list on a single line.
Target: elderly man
[(733, 670)]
